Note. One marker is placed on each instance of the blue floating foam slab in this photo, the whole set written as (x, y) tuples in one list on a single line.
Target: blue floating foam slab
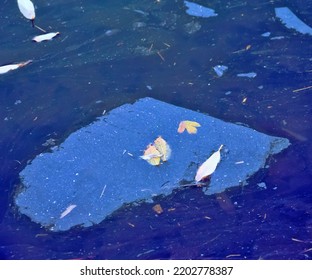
[(98, 168), (292, 21)]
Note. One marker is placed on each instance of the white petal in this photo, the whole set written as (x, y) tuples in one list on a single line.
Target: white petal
[(45, 37), (209, 166), (27, 8), (6, 68), (68, 210)]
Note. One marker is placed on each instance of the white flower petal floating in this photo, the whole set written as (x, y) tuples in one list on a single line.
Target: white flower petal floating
[(209, 166), (27, 8), (68, 210), (45, 37), (6, 68)]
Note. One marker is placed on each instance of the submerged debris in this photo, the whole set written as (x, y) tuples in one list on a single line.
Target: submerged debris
[(192, 27)]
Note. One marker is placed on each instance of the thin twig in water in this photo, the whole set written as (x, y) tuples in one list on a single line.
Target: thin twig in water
[(41, 29), (159, 54), (102, 193), (194, 185), (300, 89)]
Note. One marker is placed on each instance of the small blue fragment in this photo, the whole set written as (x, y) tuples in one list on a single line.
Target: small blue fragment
[(220, 69), (266, 34), (198, 10), (247, 75)]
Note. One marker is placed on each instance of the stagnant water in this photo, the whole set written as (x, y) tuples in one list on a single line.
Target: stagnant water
[(113, 52)]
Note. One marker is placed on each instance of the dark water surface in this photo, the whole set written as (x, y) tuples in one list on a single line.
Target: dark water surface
[(153, 48)]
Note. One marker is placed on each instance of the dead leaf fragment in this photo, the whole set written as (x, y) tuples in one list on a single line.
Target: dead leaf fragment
[(190, 126), (163, 148), (68, 210), (152, 155), (209, 166), (157, 151), (158, 209)]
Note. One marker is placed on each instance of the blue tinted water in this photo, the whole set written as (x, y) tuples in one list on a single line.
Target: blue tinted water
[(158, 50)]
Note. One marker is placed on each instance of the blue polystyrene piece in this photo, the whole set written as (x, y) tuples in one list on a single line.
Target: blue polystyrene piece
[(220, 69), (98, 168), (292, 21), (266, 34), (197, 10), (247, 75)]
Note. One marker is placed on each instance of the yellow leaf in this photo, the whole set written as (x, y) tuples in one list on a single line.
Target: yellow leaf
[(190, 126), (152, 155), (209, 166), (163, 148)]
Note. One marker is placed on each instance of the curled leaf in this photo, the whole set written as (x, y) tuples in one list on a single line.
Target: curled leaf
[(45, 37), (209, 166), (152, 155), (190, 126), (163, 147)]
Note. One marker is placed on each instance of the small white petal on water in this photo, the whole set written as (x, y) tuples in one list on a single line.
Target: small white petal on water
[(209, 166), (27, 8), (45, 37), (68, 210), (6, 68)]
